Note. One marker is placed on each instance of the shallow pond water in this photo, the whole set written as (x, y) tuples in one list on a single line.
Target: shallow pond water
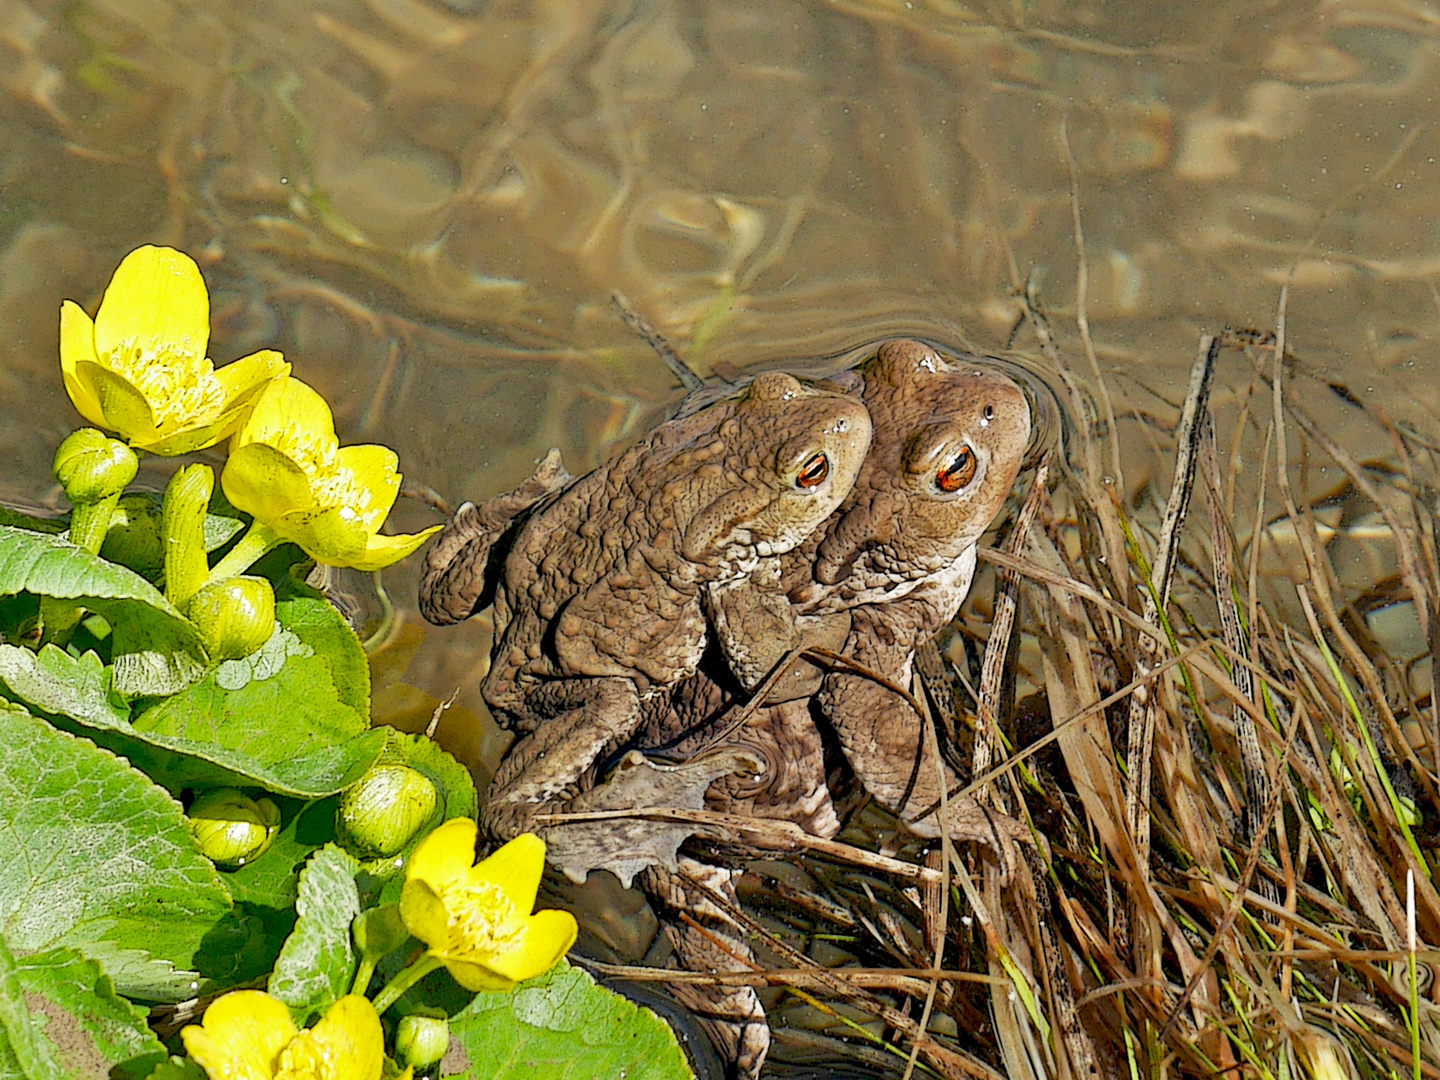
[(427, 206)]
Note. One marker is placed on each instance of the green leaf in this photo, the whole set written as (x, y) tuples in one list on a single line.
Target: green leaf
[(41, 521), (274, 719), (318, 961), (58, 685), (272, 880), (315, 621), (54, 682), (564, 1027), (60, 1017), (178, 1068), (156, 650), (99, 858)]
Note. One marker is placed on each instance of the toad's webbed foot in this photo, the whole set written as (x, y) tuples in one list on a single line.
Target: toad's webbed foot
[(459, 576)]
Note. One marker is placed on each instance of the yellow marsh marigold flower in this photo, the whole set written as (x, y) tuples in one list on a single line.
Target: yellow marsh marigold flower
[(248, 1035), (287, 469), (476, 918), (140, 368)]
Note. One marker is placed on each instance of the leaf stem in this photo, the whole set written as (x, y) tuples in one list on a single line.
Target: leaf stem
[(363, 974), (406, 979), (258, 539)]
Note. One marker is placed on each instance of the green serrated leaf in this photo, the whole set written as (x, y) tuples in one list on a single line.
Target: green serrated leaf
[(156, 650), (564, 1027), (272, 881), (75, 692), (54, 682), (315, 621), (99, 858), (273, 720), (59, 1011), (318, 961)]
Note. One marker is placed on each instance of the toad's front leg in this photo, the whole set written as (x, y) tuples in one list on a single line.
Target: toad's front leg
[(575, 722), (551, 771)]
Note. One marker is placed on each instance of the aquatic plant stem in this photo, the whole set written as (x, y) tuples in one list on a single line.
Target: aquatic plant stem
[(259, 539), (406, 979)]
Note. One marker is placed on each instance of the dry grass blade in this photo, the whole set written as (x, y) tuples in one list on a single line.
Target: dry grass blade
[(1143, 706), (1257, 779), (662, 348), (988, 740)]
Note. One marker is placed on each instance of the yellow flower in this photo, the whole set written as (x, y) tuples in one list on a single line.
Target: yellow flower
[(476, 918), (287, 469), (140, 368), (248, 1035)]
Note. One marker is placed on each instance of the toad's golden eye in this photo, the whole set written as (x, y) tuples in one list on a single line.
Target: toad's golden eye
[(958, 473), (813, 473)]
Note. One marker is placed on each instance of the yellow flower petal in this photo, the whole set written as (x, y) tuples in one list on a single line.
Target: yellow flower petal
[(250, 373), (476, 919), (447, 854), (335, 537), (240, 1036), (241, 383), (374, 482), (347, 1044), (262, 481), (423, 912), (475, 977), (383, 551), (548, 936), (515, 868), (293, 418), (189, 439), (155, 302), (77, 343), (124, 405)]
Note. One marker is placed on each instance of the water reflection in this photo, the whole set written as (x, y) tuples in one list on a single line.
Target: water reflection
[(427, 206)]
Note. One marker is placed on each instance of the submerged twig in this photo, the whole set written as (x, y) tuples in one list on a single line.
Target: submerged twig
[(663, 349)]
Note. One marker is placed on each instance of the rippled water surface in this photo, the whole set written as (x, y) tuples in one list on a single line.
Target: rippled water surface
[(427, 206)]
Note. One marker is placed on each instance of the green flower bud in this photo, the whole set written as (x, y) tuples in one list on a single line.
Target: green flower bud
[(134, 536), (235, 617), (421, 1041), (231, 828), (91, 466), (183, 526), (379, 930), (382, 811)]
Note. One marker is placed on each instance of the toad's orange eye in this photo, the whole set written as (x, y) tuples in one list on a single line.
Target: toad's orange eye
[(814, 472), (958, 473)]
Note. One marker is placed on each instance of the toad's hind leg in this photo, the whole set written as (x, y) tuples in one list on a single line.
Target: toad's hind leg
[(705, 938), (575, 722)]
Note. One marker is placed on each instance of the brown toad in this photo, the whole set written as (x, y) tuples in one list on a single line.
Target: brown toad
[(883, 575), (598, 602)]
